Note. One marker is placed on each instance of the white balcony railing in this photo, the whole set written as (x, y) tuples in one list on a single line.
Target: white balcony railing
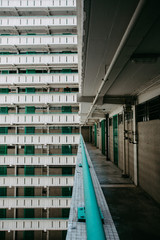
[(35, 224), (36, 181), (37, 79), (38, 160), (35, 22), (38, 40), (40, 119), (45, 139), (38, 3), (40, 59), (35, 202), (38, 98)]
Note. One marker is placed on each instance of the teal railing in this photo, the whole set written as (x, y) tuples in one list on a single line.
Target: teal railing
[(94, 224)]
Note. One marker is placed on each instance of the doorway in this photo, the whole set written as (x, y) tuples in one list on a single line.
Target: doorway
[(115, 139)]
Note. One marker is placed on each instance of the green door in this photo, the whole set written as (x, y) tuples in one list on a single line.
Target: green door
[(66, 149), (66, 130), (28, 235), (115, 139)]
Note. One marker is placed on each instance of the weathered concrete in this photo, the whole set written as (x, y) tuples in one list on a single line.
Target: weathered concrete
[(135, 214), (149, 157), (77, 230)]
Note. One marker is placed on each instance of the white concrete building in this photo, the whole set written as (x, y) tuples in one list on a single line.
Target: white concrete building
[(39, 122)]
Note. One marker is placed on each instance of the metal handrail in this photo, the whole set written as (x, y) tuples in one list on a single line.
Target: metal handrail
[(94, 224)]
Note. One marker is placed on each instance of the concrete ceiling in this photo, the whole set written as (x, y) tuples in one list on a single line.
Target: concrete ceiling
[(106, 24)]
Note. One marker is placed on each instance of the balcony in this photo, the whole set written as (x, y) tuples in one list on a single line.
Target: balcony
[(38, 4), (35, 202), (36, 181), (53, 22), (49, 42), (38, 99), (39, 79), (88, 196), (33, 224), (55, 139), (38, 160), (41, 60), (39, 119)]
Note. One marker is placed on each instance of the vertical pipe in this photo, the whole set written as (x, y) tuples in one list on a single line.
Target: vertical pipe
[(135, 147), (90, 134), (103, 137), (95, 230)]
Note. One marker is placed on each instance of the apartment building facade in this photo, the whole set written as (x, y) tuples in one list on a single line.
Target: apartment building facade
[(39, 122)]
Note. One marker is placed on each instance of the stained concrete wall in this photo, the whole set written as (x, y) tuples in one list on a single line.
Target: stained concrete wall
[(120, 146), (99, 138), (131, 161), (149, 157)]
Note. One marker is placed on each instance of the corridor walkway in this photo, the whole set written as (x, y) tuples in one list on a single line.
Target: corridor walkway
[(135, 214)]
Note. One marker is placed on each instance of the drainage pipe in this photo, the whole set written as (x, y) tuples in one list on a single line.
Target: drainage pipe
[(135, 147), (94, 226)]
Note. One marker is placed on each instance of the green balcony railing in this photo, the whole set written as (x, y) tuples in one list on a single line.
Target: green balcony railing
[(94, 224)]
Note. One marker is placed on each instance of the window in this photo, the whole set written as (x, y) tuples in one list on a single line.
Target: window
[(148, 110)]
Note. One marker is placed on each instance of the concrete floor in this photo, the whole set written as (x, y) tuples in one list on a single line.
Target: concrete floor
[(135, 214)]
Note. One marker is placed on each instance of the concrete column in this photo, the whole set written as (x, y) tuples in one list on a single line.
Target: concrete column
[(15, 190), (47, 235), (47, 109), (47, 196), (16, 109), (47, 149)]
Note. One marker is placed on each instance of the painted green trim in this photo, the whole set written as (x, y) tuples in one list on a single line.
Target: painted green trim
[(115, 139), (94, 224)]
